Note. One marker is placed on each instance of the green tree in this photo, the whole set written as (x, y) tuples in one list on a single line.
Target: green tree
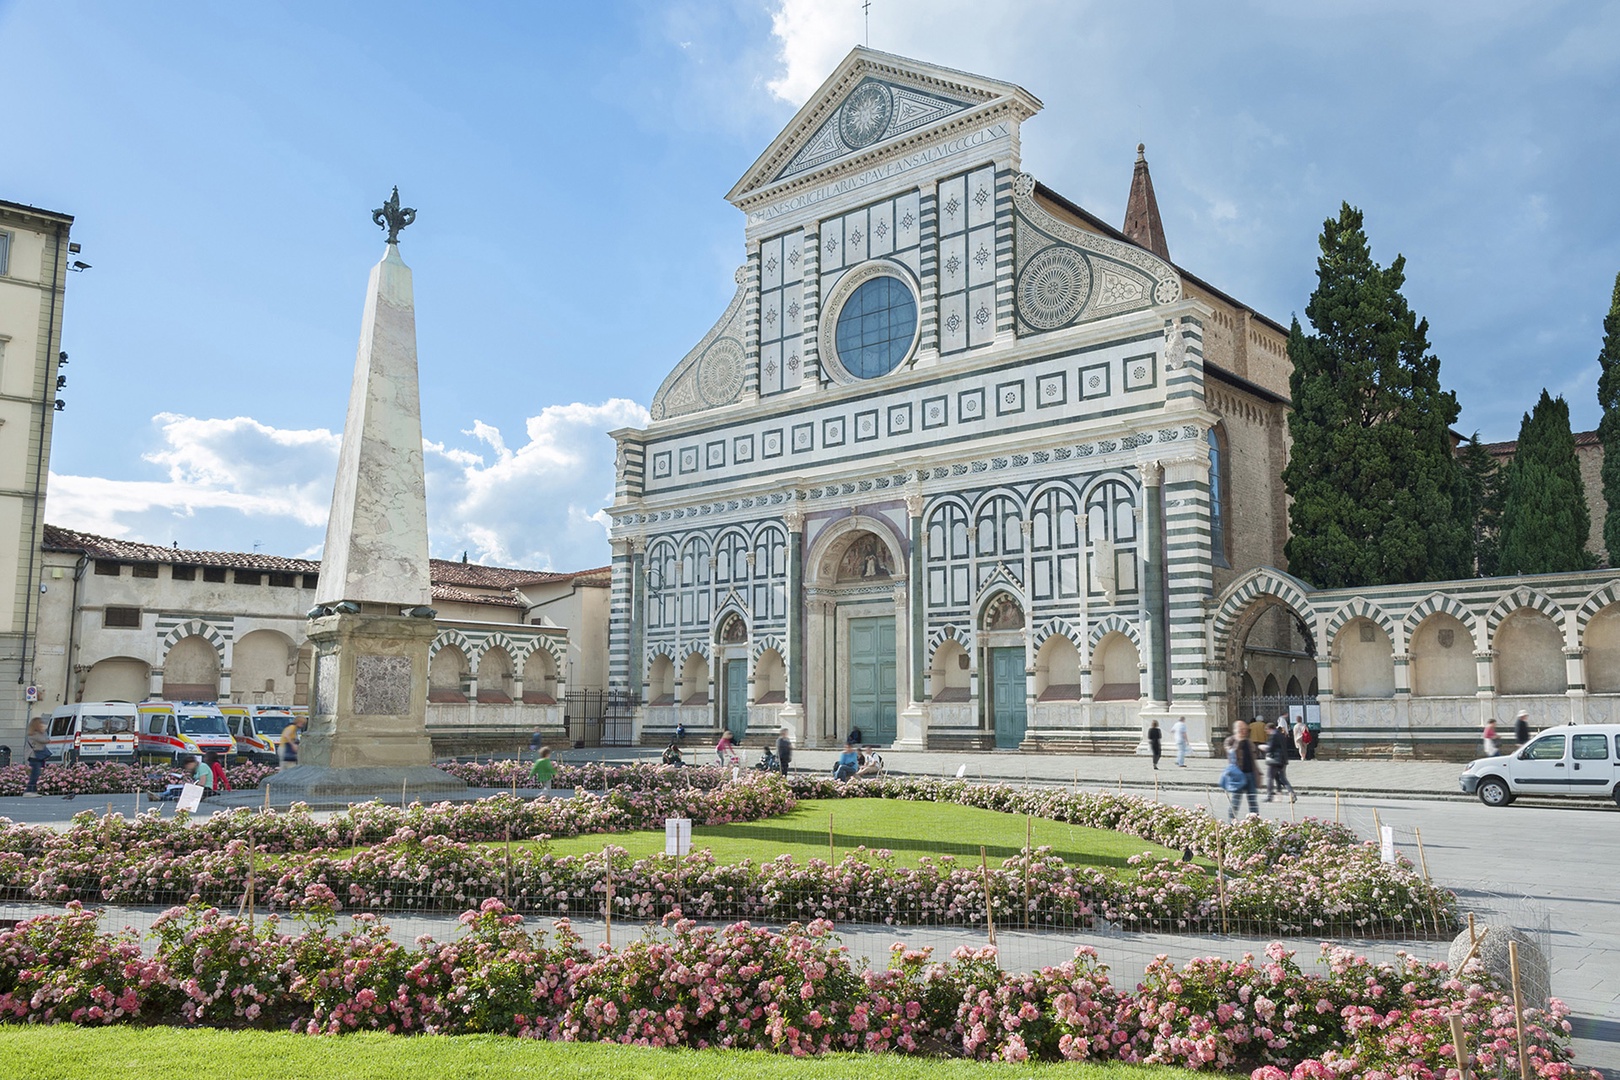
[(1482, 501), (1545, 521), (1376, 491), (1609, 426)]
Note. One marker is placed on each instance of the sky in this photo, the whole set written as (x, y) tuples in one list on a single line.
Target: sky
[(569, 164)]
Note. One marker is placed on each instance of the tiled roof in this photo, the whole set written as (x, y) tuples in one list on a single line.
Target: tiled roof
[(1583, 439), (478, 576), (104, 547), (455, 594), (452, 581)]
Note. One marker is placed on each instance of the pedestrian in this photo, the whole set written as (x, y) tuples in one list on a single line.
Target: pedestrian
[(1521, 727), (1243, 758), (725, 752), (39, 752), (1155, 736), (1278, 750), (543, 769), (288, 744), (1301, 738), (784, 749), (1490, 737), (1178, 732), (216, 768)]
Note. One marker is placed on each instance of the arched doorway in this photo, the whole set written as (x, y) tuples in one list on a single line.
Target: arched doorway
[(1264, 639), (855, 633), (1001, 631)]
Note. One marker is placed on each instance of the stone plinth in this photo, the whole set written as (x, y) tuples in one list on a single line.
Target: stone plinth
[(367, 732)]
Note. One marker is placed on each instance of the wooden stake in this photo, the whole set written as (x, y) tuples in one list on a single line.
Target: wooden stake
[(1029, 853), (1075, 788), (253, 866), (402, 795), (267, 798), (607, 857), (1220, 877), (1378, 827), (1457, 1045), (1422, 858), (832, 855), (508, 862), (1518, 1007), (1473, 938), (989, 914), (1122, 783)]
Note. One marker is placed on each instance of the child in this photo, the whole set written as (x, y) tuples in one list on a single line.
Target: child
[(217, 768), (543, 769)]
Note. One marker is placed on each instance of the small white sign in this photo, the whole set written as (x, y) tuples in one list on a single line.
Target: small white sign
[(1386, 843), (190, 798), (736, 774), (677, 836)]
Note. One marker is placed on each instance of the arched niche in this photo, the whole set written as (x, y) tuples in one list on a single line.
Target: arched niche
[(661, 681), (770, 679), (449, 672), (1529, 654), (1116, 669), (1602, 643), (1364, 659), (117, 678), (262, 666), (951, 674), (540, 678), (694, 689), (1057, 670), (191, 670), (1442, 658)]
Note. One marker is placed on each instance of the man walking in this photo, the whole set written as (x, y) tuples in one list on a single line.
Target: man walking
[(1178, 732), (1155, 743), (784, 749), (1278, 749), (1521, 728)]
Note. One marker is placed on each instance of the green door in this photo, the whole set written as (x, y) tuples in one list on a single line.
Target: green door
[(1007, 696), (872, 685), (736, 703)]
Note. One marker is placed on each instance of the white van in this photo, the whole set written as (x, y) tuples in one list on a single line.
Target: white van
[(93, 731), (1578, 759), (257, 730), (174, 729)]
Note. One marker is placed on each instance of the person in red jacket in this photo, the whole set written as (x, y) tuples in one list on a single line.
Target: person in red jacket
[(221, 781)]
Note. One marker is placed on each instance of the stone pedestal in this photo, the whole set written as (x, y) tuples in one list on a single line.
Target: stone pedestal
[(367, 733)]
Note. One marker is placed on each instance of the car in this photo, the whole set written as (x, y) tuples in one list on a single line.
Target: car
[(1579, 760)]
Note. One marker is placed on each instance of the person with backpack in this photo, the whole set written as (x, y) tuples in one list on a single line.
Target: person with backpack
[(1239, 779)]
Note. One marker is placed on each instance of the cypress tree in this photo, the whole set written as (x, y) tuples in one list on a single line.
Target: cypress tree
[(1482, 502), (1545, 521), (1374, 484), (1609, 426)]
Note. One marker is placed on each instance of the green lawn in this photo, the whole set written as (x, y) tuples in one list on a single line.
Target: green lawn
[(127, 1053), (909, 830)]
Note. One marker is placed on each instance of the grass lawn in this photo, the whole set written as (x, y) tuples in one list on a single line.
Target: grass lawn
[(67, 1053), (909, 830)]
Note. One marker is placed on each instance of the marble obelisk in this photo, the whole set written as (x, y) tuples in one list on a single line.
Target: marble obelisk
[(372, 626)]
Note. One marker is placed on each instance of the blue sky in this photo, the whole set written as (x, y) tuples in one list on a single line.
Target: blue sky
[(569, 163)]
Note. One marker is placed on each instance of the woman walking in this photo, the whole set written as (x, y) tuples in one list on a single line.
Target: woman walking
[(1155, 742), (39, 752)]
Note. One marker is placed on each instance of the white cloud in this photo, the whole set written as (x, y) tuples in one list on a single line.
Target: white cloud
[(238, 484), (539, 506)]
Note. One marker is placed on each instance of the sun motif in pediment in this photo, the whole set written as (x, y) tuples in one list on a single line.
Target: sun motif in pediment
[(865, 115)]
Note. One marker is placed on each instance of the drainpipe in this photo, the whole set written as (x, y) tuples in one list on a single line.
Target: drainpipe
[(46, 402)]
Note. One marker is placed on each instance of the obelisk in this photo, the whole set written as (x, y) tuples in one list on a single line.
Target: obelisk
[(371, 626)]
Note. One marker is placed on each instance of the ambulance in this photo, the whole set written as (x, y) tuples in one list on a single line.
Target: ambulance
[(172, 729), (93, 731), (257, 730)]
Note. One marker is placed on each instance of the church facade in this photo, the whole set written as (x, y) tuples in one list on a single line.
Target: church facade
[(963, 466), (952, 467)]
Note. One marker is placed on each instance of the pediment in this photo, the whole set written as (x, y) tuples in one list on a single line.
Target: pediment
[(872, 103)]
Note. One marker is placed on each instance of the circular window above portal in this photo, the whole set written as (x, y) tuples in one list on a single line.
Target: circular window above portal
[(870, 326)]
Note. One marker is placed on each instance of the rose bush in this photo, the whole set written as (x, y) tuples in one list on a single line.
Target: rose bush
[(797, 991), (1277, 877), (101, 778)]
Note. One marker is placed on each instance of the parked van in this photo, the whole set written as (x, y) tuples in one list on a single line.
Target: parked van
[(1577, 759), (257, 730), (173, 729), (93, 731)]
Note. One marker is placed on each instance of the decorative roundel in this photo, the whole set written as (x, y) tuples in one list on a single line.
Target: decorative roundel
[(1024, 185), (720, 372), (1166, 291), (1053, 287), (865, 115)]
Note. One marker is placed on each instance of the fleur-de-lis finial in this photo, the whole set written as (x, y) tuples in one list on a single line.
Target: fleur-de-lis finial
[(391, 216)]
